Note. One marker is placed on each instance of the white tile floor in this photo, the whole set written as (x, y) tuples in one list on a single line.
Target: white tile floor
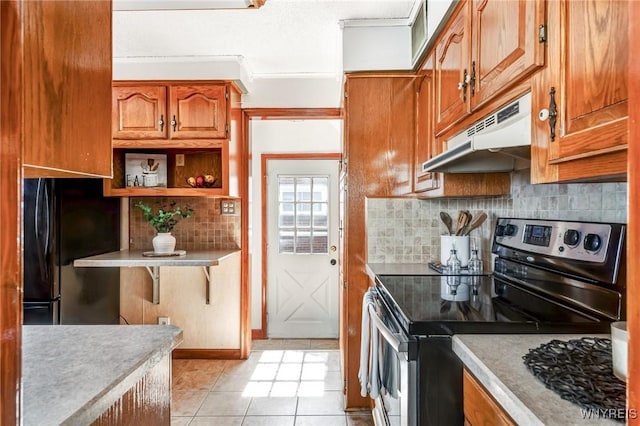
[(283, 383)]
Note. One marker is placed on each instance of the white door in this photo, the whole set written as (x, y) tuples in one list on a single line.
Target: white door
[(302, 248)]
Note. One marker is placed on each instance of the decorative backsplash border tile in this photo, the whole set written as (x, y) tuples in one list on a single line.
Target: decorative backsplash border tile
[(408, 230), (207, 229)]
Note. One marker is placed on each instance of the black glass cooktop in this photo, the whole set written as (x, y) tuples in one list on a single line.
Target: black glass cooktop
[(447, 305)]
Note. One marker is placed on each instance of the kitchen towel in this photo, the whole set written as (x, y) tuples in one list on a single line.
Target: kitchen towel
[(368, 374)]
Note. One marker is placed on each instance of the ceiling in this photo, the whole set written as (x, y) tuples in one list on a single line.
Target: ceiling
[(281, 38)]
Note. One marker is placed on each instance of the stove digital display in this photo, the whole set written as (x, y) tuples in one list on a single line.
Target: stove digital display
[(537, 235)]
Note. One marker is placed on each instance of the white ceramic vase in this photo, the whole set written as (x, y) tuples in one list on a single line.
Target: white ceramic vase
[(164, 243)]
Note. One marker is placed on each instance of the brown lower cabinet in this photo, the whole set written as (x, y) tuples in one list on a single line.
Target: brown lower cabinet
[(479, 407)]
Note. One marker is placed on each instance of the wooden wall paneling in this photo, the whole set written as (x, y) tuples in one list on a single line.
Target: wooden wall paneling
[(11, 136), (633, 234), (374, 127)]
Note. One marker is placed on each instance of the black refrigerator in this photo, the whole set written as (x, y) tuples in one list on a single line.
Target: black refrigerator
[(63, 220)]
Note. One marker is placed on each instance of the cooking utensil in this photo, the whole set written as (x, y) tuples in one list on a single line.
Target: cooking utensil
[(475, 223), (448, 222), (463, 220)]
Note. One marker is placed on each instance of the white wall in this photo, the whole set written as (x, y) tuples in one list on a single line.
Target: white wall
[(376, 47), (436, 10), (279, 136)]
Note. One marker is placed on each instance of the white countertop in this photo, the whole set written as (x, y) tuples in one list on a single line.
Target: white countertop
[(129, 258), (496, 361), (72, 374)]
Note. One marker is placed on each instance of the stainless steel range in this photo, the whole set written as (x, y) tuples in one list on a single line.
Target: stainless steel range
[(549, 277)]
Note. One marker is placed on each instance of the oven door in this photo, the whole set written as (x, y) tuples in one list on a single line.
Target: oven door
[(397, 402)]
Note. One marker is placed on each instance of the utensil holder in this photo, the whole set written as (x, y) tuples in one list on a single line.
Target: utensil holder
[(619, 348), (461, 245), (149, 179)]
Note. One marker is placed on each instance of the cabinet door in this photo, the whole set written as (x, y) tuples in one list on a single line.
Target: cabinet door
[(425, 139), (380, 134), (452, 70), (67, 85), (479, 407), (198, 112), (139, 112), (586, 83), (505, 46)]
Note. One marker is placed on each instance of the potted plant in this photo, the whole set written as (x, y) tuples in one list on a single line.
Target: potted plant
[(163, 220)]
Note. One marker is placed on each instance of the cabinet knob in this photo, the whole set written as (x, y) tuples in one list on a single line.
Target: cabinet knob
[(174, 123), (161, 122), (543, 115)]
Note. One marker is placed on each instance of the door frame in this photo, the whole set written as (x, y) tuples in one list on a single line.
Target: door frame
[(264, 162)]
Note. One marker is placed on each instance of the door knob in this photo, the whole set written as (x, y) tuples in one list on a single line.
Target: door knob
[(333, 261)]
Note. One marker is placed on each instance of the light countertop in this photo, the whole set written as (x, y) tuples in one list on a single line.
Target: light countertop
[(72, 374), (129, 258), (496, 361)]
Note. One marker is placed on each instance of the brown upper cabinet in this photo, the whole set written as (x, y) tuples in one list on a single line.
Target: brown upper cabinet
[(380, 133), (582, 134), (187, 127), (67, 84), (170, 111), (425, 141), (427, 145), (486, 48)]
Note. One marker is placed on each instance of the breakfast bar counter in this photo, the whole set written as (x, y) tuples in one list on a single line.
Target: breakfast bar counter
[(131, 258), (139, 258), (77, 375)]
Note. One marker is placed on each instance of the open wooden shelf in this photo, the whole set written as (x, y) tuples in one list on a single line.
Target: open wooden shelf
[(198, 159)]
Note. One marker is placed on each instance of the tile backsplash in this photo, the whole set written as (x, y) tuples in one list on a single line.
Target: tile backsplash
[(408, 231), (207, 229)]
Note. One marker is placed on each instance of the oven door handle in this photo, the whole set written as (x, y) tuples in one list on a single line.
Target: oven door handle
[(394, 339)]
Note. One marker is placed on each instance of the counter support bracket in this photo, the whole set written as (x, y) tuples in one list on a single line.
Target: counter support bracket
[(207, 290), (154, 271)]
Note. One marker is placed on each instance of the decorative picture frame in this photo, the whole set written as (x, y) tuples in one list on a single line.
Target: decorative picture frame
[(145, 170)]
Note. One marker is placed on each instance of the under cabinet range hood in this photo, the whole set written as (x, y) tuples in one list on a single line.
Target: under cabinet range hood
[(500, 142)]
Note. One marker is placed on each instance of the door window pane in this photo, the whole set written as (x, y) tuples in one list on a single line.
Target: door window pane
[(303, 214)]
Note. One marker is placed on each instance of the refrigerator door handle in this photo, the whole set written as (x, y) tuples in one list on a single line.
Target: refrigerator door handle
[(42, 212)]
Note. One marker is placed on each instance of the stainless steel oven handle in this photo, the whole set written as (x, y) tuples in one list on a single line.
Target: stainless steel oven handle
[(392, 338)]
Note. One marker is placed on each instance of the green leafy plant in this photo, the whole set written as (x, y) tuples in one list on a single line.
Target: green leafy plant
[(165, 218)]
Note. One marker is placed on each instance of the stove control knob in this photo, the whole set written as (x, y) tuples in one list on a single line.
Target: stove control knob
[(572, 237), (510, 230), (499, 230), (592, 242)]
